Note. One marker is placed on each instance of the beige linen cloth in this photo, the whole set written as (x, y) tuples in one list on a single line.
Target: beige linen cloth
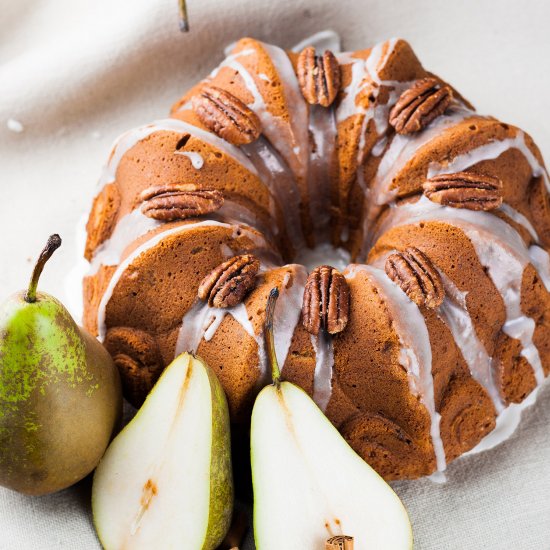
[(75, 74)]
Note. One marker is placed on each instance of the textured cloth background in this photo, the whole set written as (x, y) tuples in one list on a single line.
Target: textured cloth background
[(76, 74)]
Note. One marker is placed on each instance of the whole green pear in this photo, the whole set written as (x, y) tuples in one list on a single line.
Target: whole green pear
[(60, 394)]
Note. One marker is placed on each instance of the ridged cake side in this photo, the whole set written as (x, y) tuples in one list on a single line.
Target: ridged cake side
[(445, 213)]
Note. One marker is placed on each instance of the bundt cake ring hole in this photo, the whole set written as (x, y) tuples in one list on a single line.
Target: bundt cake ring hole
[(325, 253)]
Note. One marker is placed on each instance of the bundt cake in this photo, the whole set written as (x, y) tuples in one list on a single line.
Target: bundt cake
[(418, 349)]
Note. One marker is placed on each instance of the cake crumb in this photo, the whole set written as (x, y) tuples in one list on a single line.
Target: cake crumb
[(14, 125)]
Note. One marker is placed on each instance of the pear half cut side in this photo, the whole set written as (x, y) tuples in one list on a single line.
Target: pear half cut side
[(166, 481), (309, 484)]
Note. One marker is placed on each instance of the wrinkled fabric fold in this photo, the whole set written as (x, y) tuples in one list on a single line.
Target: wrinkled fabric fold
[(75, 75)]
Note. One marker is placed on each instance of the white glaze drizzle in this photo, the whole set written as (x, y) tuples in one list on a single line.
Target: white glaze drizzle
[(348, 107), (201, 322), (540, 260), (258, 105), (379, 146), (377, 59), (235, 212), (135, 225), (499, 248), (127, 230), (456, 316), (323, 254), (280, 181), (380, 115), (295, 150), (324, 363), (289, 138), (491, 151), (365, 73), (229, 58), (403, 147), (416, 352), (287, 310), (272, 170), (454, 313), (229, 48), (322, 128), (520, 327), (129, 139), (148, 245), (506, 423), (322, 41), (520, 219), (196, 158)]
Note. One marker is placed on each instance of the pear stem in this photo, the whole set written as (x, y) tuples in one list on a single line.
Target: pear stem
[(184, 21), (269, 337), (54, 242)]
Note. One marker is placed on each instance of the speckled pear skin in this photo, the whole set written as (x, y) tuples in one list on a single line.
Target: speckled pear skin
[(221, 482), (60, 397)]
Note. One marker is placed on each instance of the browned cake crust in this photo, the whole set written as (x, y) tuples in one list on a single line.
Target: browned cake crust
[(419, 346)]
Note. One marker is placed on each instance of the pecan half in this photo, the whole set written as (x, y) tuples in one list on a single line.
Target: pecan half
[(423, 102), (179, 201), (138, 359), (319, 76), (465, 190), (230, 282), (326, 301), (413, 271), (227, 116)]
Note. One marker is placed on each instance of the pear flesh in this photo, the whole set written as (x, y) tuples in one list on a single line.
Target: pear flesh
[(310, 485), (60, 395), (166, 481)]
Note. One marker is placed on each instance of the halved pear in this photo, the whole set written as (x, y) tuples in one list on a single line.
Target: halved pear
[(166, 481), (309, 484)]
